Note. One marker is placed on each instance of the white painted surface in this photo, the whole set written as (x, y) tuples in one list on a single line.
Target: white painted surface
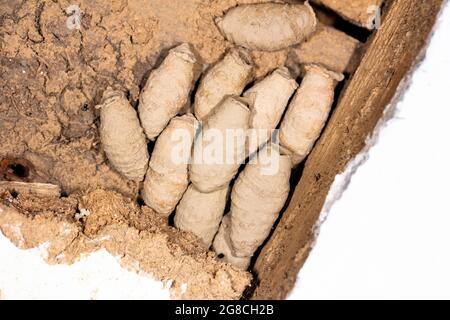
[(388, 236), (25, 275)]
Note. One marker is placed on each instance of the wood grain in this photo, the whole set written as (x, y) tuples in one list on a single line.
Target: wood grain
[(390, 54)]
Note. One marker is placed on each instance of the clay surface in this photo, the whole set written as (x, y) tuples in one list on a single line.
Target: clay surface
[(80, 224), (53, 75), (363, 13), (330, 48)]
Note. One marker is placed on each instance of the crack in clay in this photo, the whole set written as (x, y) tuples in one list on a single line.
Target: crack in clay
[(37, 20)]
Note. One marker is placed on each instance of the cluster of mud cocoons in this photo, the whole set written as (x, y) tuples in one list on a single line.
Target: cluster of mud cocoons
[(198, 189), (210, 148)]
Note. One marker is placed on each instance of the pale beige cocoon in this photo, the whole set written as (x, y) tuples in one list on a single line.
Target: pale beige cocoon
[(258, 196), (308, 112), (201, 213), (268, 26), (222, 247), (122, 136), (167, 90), (228, 77), (167, 175), (215, 160), (267, 101)]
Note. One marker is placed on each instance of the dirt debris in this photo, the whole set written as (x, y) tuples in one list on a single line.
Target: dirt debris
[(360, 12), (139, 238)]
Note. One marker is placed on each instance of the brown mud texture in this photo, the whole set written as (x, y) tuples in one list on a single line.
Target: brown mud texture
[(54, 71)]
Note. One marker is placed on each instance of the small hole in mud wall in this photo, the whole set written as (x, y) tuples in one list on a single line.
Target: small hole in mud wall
[(140, 201), (19, 170), (328, 17), (16, 170)]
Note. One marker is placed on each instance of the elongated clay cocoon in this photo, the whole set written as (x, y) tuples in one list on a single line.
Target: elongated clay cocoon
[(308, 112), (228, 77), (167, 175), (122, 136), (222, 247), (215, 160), (267, 26), (258, 196), (267, 101), (201, 213), (167, 90)]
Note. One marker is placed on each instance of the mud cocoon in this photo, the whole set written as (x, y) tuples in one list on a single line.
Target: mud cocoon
[(308, 112), (257, 198), (215, 160), (167, 175), (267, 101), (200, 213), (267, 26), (122, 136), (222, 246), (167, 89), (229, 76)]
